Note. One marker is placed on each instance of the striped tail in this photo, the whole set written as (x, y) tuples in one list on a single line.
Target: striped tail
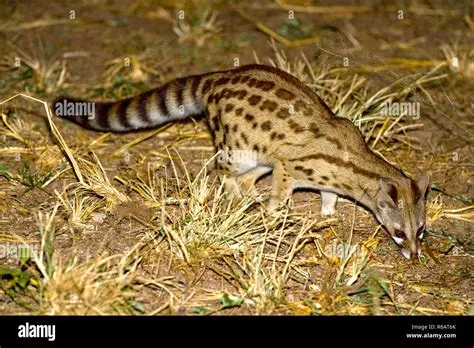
[(175, 100)]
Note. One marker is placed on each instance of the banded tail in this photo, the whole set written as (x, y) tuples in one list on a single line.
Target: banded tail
[(174, 100)]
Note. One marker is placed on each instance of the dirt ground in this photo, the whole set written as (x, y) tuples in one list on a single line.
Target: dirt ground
[(145, 231)]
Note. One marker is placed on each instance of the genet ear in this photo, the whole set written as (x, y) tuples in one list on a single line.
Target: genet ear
[(422, 185), (387, 195)]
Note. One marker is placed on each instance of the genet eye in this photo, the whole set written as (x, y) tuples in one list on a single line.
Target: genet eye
[(400, 234)]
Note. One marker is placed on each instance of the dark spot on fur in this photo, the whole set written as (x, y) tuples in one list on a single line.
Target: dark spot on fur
[(296, 127), (252, 82), (265, 85), (307, 171), (313, 128), (308, 112), (334, 141), (254, 99), (238, 112), (268, 105), (244, 138), (221, 81), (267, 125), (249, 117), (299, 105), (217, 97), (244, 79), (215, 122), (283, 113), (284, 94), (229, 107), (227, 93), (240, 94)]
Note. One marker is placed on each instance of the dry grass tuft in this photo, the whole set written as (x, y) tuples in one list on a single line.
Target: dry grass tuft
[(98, 286), (460, 63), (134, 68), (435, 211), (196, 25), (48, 77), (97, 183)]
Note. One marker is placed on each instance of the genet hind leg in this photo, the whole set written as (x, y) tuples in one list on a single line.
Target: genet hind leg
[(282, 187), (239, 170), (247, 180), (228, 178)]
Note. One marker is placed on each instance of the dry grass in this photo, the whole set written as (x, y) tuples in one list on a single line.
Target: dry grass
[(196, 22), (48, 76), (460, 62)]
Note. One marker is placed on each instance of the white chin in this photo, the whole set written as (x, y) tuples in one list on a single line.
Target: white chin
[(406, 253)]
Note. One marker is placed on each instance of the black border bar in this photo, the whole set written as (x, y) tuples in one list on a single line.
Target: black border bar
[(243, 331)]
